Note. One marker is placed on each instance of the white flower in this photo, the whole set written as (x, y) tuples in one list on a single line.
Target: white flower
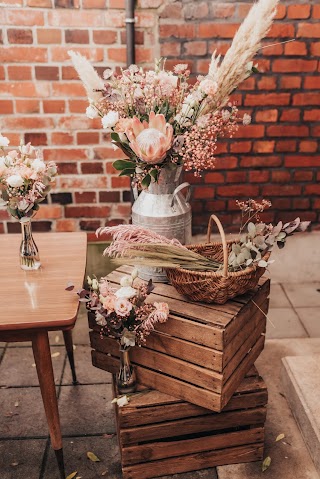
[(126, 292), (110, 120), (128, 338), (95, 284), (107, 74), (92, 112), (89, 280), (3, 165), (121, 401), (26, 149), (15, 181), (203, 120), (126, 281), (225, 115), (208, 86), (52, 171), (101, 320), (134, 273), (23, 205), (191, 100), (122, 307), (38, 165), (246, 120), (186, 110), (4, 141)]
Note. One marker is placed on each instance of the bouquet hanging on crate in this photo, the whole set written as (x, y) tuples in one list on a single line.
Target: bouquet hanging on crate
[(159, 119)]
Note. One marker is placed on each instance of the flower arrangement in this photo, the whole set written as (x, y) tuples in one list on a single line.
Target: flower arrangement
[(25, 179), (159, 119), (124, 313)]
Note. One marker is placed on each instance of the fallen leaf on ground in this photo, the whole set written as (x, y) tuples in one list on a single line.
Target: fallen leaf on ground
[(14, 464), (57, 339), (74, 347), (16, 404), (92, 457), (33, 365), (279, 437), (72, 475), (266, 463), (55, 355), (108, 436), (104, 473), (121, 401), (11, 414)]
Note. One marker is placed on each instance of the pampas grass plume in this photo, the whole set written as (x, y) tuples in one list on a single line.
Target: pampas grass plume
[(88, 76)]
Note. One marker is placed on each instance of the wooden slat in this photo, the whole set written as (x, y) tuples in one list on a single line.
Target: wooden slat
[(162, 450), (193, 425), (193, 462)]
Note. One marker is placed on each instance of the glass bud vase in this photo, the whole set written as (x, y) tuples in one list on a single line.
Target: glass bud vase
[(126, 378), (29, 254)]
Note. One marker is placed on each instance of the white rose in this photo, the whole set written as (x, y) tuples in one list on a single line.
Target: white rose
[(92, 112), (110, 120), (126, 292), (135, 273), (126, 281), (38, 165), (4, 141), (15, 181)]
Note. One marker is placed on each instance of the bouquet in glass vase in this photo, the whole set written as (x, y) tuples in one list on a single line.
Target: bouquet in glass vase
[(25, 181), (125, 315)]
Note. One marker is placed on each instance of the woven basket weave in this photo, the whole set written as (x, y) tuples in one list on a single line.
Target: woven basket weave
[(215, 287)]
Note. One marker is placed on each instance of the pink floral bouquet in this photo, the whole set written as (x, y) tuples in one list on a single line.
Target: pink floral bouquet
[(123, 313), (159, 119), (25, 179)]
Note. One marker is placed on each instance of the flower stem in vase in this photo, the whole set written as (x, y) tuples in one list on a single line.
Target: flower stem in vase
[(29, 254), (126, 378)]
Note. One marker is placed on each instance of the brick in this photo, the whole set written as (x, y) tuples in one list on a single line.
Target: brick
[(287, 130), (259, 176), (260, 161), (117, 54), (110, 197), (263, 146), (250, 131), (280, 190), (65, 3), (280, 176), (311, 115), (300, 203), (267, 83), (2, 73), (196, 10), (68, 89), (82, 182), (69, 73), (120, 182), (177, 31), (75, 18), (196, 48), (39, 3), (238, 190), (312, 82), (27, 106), (286, 145), (294, 65), (75, 122), (248, 84), (214, 30), (315, 49), (60, 53), (49, 35), (138, 37), (6, 107), (61, 198), (222, 10), (59, 138), (144, 55), (290, 115), (90, 225), (240, 147), (312, 189), (203, 192), (85, 197), (226, 163), (308, 30), (53, 106), (214, 177), (47, 73), (145, 19), (295, 48), (170, 49), (316, 11), (87, 137), (104, 36), (67, 169), (114, 19), (49, 212), (94, 4), (281, 12), (23, 54), (19, 35), (171, 10), (302, 175), (290, 82), (272, 49), (267, 99), (236, 176), (19, 72), (66, 225), (65, 154), (302, 161), (77, 36), (37, 139), (281, 30), (92, 168), (87, 211), (24, 17), (78, 106), (266, 116), (298, 11), (221, 47), (28, 122), (308, 98)]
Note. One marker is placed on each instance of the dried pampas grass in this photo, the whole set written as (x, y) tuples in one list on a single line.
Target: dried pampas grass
[(88, 76)]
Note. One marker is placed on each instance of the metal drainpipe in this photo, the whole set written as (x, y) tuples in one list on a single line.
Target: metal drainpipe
[(130, 21)]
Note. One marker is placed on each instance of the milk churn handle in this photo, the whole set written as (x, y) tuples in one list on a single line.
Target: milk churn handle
[(179, 188), (135, 192)]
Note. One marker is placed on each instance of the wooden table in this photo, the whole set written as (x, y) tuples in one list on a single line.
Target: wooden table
[(36, 302)]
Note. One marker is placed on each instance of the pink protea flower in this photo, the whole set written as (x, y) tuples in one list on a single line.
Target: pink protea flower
[(150, 141)]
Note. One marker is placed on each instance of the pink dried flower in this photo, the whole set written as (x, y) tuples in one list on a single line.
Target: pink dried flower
[(180, 69), (122, 307)]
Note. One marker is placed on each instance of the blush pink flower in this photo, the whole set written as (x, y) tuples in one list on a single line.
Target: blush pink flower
[(209, 87), (123, 125), (150, 141), (161, 312), (109, 303), (122, 307)]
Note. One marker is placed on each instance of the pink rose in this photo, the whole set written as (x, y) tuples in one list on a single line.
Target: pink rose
[(209, 87), (162, 312), (109, 303), (122, 307)]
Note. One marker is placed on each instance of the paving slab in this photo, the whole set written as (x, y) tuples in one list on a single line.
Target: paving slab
[(284, 323), (18, 368), (278, 298), (86, 409), (300, 376), (80, 333), (75, 454), (21, 459), (86, 373), (310, 318), (290, 457), (303, 294), (22, 413)]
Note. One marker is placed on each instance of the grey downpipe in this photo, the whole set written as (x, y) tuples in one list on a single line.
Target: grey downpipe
[(130, 21)]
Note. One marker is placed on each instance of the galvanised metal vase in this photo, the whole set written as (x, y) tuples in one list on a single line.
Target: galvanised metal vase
[(164, 209)]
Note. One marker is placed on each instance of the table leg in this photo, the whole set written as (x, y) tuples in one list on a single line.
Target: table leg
[(69, 348), (42, 357)]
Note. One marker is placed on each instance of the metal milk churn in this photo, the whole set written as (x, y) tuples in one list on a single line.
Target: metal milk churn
[(164, 209)]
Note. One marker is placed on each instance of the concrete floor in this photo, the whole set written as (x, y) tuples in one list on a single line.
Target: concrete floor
[(87, 416)]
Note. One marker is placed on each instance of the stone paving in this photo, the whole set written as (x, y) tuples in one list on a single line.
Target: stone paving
[(87, 417)]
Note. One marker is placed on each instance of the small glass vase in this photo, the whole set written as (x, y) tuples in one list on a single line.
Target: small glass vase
[(29, 254), (126, 378)]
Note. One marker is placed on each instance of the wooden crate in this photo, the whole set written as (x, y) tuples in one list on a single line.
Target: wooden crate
[(202, 353), (159, 434)]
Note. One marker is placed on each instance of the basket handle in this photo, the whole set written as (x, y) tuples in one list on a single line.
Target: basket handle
[(215, 219)]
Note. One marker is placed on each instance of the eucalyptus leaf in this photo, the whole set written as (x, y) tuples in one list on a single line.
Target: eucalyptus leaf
[(154, 173), (115, 137), (146, 181), (123, 164), (127, 172)]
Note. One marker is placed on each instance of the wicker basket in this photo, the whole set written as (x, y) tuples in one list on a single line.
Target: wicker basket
[(215, 287)]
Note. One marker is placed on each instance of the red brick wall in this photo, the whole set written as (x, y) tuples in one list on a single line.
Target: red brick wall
[(41, 100)]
